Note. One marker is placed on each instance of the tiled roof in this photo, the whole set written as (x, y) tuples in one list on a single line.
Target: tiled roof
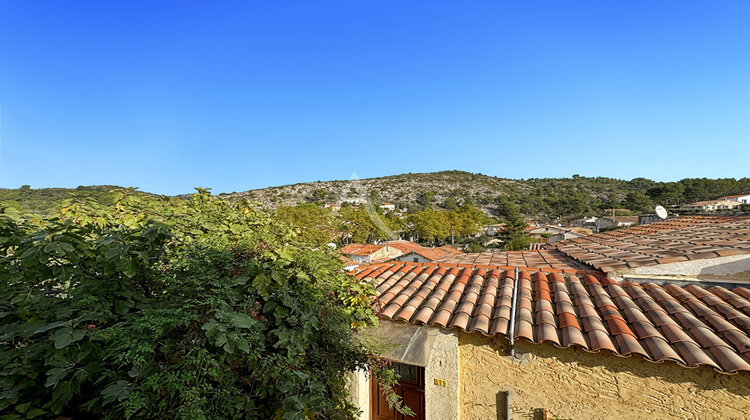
[(405, 246), (673, 240), (543, 258), (692, 326), (360, 249), (433, 254)]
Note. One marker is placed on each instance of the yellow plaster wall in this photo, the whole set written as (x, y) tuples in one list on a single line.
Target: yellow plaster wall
[(570, 383)]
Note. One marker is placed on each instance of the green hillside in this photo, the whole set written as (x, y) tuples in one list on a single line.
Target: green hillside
[(45, 201), (540, 198)]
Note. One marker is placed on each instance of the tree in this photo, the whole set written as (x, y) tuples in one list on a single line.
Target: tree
[(319, 194), (514, 236), (504, 206), (430, 224), (426, 198), (169, 308), (667, 193), (637, 201), (25, 190), (572, 203), (641, 184), (450, 203), (358, 225), (467, 220), (314, 225)]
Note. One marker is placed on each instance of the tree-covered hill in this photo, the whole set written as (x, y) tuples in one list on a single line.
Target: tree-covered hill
[(46, 201), (540, 198)]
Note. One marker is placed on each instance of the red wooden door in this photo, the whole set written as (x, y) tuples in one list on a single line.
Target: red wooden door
[(410, 388)]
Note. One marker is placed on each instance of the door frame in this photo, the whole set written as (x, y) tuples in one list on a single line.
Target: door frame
[(405, 385)]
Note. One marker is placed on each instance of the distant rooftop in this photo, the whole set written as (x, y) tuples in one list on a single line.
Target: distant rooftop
[(680, 239), (545, 258)]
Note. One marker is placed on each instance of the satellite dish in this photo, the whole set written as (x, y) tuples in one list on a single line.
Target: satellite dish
[(661, 212)]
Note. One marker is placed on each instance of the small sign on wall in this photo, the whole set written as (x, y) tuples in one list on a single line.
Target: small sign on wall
[(441, 382)]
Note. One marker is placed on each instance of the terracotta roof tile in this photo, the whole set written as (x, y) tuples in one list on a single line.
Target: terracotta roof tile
[(692, 326), (628, 345), (674, 240), (600, 340), (499, 326), (543, 258), (660, 350), (572, 336)]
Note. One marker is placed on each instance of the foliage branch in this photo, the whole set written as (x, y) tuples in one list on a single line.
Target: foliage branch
[(169, 308)]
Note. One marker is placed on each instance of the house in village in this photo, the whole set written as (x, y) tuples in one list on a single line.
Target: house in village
[(563, 235), (366, 253), (615, 222), (542, 232), (388, 206), (549, 233), (713, 205), (741, 198), (598, 224), (645, 322), (399, 250), (423, 254), (353, 200), (494, 229), (587, 222)]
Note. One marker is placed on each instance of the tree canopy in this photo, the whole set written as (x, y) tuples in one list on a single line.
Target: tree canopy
[(169, 308)]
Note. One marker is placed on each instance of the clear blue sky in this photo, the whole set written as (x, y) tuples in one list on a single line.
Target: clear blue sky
[(167, 96)]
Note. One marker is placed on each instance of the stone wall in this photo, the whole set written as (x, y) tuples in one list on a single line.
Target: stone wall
[(442, 378), (570, 383)]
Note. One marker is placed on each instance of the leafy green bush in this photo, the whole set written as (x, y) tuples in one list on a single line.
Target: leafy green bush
[(167, 308)]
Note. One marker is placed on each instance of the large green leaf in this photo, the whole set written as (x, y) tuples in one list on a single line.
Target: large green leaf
[(118, 391), (55, 375), (65, 336), (34, 412), (241, 320), (49, 326)]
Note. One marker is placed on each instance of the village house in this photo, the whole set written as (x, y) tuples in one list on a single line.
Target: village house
[(598, 224), (713, 205), (365, 253), (615, 221), (400, 250), (548, 233), (563, 235), (388, 206), (644, 322), (423, 254), (741, 198), (587, 222), (494, 229), (544, 231), (353, 200)]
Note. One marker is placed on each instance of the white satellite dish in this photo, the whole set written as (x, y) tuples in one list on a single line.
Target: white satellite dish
[(661, 212)]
